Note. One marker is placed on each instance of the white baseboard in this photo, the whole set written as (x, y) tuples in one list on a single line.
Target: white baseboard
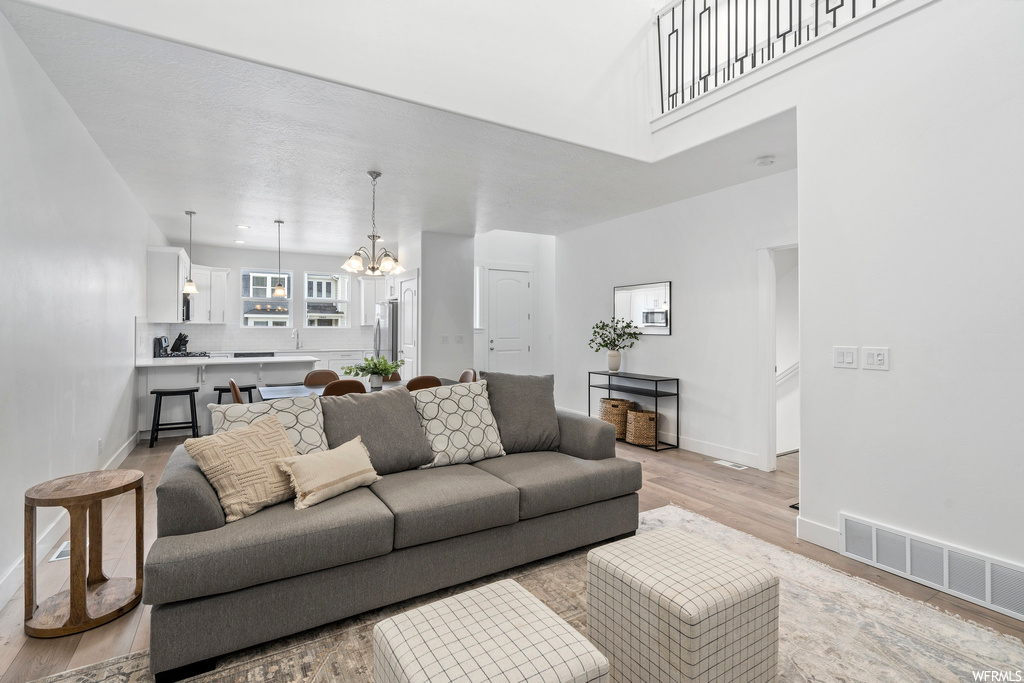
[(718, 452), (45, 541), (818, 534)]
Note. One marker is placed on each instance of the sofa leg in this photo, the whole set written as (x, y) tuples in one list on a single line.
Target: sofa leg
[(187, 671)]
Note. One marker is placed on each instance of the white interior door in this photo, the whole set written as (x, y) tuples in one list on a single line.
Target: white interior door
[(408, 326), (509, 322)]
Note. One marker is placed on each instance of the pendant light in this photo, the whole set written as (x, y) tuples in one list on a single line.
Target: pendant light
[(190, 287), (378, 263), (279, 289)]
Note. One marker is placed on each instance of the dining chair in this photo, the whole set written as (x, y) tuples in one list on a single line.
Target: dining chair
[(468, 375), (393, 377), (340, 387), (320, 378), (236, 393), (423, 382)]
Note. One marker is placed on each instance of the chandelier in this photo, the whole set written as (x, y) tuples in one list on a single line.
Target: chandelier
[(381, 262)]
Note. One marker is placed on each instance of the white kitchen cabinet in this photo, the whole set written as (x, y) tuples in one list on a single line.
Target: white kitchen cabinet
[(656, 296), (166, 272), (208, 304), (339, 360), (390, 286), (219, 295), (372, 292), (622, 303)]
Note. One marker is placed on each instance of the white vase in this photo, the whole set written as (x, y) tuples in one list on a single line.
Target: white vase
[(614, 360), (376, 381)]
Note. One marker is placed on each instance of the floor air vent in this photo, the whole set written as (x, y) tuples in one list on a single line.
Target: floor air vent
[(983, 580)]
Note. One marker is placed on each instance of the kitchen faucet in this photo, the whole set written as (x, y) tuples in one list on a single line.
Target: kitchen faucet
[(295, 336)]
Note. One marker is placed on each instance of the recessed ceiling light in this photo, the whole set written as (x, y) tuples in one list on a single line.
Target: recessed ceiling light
[(764, 161), (242, 227), (239, 241)]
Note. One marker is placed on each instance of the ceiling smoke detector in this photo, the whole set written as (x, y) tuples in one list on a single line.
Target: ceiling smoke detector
[(764, 161)]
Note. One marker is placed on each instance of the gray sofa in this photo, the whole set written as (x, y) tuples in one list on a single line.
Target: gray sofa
[(218, 587)]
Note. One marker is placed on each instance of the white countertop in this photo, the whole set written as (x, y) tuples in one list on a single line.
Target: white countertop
[(195, 361)]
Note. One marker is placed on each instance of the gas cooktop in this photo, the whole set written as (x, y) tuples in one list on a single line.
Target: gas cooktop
[(186, 354)]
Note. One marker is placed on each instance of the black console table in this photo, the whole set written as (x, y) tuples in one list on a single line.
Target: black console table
[(646, 385)]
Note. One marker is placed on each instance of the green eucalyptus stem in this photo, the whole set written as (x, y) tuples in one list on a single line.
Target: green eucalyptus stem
[(614, 335)]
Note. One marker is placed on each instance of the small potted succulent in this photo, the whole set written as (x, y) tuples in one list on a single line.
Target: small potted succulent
[(614, 335), (374, 368)]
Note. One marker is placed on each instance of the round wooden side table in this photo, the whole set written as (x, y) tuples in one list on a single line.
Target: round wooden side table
[(93, 598)]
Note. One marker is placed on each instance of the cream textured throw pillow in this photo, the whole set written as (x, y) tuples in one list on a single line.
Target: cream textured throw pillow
[(319, 476), (242, 466), (301, 416), (458, 422)]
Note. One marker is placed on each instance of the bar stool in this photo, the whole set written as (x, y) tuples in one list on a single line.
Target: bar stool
[(247, 388), (157, 425)]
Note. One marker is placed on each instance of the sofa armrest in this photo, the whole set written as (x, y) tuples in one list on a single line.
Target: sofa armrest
[(585, 437), (185, 500)]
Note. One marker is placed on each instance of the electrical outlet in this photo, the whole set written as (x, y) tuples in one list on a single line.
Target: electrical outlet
[(99, 446), (844, 357), (876, 357)]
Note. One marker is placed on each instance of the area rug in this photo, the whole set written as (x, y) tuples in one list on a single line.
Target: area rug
[(833, 627)]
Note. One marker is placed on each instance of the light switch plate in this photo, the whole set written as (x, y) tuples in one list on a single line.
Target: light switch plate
[(876, 358), (844, 357)]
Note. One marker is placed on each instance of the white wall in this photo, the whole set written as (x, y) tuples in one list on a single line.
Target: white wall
[(909, 210), (446, 304), (73, 248), (522, 251), (706, 247), (787, 349), (582, 64)]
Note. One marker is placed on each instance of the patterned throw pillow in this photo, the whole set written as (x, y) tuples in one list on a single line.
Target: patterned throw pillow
[(301, 416), (458, 422), (319, 476), (242, 466)]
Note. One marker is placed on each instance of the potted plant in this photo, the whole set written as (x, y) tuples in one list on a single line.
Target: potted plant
[(614, 336), (374, 368)]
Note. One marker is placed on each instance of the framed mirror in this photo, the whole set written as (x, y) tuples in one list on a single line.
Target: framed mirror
[(649, 306)]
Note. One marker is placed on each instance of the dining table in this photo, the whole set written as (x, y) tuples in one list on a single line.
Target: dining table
[(294, 390)]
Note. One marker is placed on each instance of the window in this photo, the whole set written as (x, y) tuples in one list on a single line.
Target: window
[(326, 300), (259, 307)]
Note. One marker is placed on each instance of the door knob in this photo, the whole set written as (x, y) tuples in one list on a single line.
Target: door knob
[(492, 348)]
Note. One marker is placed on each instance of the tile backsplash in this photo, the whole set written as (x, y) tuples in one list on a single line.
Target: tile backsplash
[(230, 338)]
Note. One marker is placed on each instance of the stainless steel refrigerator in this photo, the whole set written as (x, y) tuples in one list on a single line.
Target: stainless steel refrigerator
[(385, 331)]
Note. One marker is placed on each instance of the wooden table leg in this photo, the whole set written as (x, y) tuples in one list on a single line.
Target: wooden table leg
[(96, 543), (79, 609), (30, 561), (140, 506)]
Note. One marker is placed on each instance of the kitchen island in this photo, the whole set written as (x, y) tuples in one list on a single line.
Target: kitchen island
[(207, 373)]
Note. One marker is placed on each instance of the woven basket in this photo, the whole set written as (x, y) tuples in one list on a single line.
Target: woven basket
[(614, 410), (642, 427)]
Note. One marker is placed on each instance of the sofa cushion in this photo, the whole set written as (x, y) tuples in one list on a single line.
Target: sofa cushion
[(388, 423), (242, 466), (444, 502), (524, 408), (301, 416), (550, 482), (275, 543), (458, 422)]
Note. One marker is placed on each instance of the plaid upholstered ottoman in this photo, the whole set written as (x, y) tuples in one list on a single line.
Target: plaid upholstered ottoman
[(666, 606), (500, 632)]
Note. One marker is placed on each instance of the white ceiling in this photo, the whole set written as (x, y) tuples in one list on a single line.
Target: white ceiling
[(243, 143)]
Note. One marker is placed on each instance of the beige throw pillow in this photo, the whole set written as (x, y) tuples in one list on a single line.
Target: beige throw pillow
[(301, 416), (319, 476), (242, 466)]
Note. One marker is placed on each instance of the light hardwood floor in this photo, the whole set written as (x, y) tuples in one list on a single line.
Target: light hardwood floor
[(749, 500)]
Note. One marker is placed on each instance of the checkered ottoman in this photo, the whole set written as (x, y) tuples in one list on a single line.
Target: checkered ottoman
[(496, 633), (666, 606)]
